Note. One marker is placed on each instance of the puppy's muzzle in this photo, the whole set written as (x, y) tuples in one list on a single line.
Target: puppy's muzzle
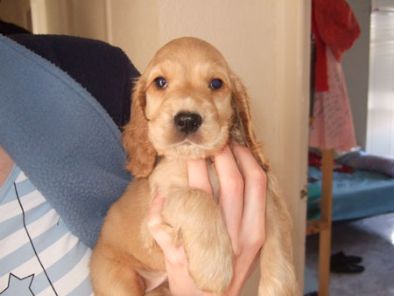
[(187, 122)]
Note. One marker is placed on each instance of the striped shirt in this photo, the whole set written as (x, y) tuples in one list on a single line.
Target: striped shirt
[(38, 255)]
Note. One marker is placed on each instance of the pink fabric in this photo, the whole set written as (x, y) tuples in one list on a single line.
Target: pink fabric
[(332, 122)]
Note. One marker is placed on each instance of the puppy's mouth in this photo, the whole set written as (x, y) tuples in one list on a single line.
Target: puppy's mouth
[(189, 135), (187, 142), (195, 146)]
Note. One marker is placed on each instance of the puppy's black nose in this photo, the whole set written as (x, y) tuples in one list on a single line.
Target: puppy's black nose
[(187, 122)]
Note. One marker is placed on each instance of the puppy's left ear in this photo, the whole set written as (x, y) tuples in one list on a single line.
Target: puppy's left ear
[(140, 152), (242, 128)]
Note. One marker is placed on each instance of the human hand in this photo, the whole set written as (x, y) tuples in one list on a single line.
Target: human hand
[(243, 186)]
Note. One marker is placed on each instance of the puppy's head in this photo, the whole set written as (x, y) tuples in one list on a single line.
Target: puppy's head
[(186, 104)]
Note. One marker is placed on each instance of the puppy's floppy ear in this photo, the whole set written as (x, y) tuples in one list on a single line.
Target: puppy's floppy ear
[(242, 127), (141, 154)]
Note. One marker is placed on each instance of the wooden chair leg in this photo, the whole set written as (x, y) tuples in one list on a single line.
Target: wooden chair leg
[(326, 219)]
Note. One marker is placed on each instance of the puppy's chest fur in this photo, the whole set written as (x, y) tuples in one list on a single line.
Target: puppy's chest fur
[(171, 175), (168, 175)]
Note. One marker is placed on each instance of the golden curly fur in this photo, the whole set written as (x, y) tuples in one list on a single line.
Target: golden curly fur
[(157, 150)]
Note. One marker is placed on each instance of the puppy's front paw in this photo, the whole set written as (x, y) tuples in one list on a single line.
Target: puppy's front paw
[(198, 220), (210, 258)]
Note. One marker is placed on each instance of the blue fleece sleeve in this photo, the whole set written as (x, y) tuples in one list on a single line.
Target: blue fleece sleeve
[(61, 138)]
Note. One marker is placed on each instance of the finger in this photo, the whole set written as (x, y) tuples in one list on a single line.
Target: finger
[(160, 231), (197, 171), (175, 255), (253, 224), (231, 193), (154, 213), (243, 268)]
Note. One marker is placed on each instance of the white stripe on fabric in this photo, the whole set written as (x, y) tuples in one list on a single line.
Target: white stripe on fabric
[(12, 208), (57, 251), (84, 288), (48, 257), (14, 224), (21, 177), (62, 266), (14, 241), (73, 278)]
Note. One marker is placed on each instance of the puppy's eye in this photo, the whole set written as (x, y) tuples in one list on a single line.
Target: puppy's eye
[(161, 82), (216, 84)]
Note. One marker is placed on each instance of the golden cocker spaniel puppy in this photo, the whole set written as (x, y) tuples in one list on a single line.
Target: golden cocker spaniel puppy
[(187, 104)]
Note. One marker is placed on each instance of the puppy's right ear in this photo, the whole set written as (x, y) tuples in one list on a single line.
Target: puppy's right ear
[(141, 154), (242, 124)]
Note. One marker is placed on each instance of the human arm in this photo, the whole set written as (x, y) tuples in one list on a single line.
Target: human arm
[(6, 165)]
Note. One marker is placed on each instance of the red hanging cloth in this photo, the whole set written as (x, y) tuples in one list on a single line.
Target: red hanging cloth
[(335, 26)]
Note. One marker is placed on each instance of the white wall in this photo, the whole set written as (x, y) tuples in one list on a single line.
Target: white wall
[(380, 132), (71, 17), (356, 69), (16, 12)]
